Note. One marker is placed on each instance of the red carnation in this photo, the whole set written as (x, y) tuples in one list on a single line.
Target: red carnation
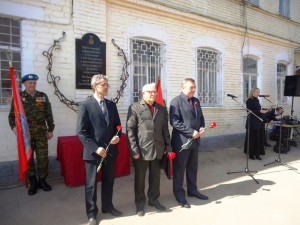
[(213, 125), (171, 155)]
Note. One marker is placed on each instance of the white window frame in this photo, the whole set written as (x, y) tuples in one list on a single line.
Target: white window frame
[(284, 8), (209, 92), (150, 69), (12, 47), (254, 2), (280, 82), (250, 78)]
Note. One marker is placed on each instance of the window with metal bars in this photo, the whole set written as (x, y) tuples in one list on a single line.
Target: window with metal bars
[(9, 45), (281, 74), (146, 64), (250, 75), (208, 77)]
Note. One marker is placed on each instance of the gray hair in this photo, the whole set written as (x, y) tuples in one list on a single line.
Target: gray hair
[(147, 87), (97, 78), (185, 80)]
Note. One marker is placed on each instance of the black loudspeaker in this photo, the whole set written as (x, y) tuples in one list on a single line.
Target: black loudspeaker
[(292, 85), (285, 147)]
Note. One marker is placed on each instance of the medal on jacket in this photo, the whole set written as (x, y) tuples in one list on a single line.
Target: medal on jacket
[(39, 101)]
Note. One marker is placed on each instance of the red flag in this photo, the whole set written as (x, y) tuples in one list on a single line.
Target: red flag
[(159, 96), (23, 135)]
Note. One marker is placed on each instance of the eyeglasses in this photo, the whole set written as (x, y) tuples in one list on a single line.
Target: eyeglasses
[(152, 92), (103, 85)]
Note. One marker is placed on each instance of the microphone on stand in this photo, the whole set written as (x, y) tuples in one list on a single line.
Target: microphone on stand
[(265, 97), (232, 96)]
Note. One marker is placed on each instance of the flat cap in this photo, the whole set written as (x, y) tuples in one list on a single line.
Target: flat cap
[(30, 76)]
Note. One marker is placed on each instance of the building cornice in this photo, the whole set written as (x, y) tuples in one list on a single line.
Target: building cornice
[(188, 17)]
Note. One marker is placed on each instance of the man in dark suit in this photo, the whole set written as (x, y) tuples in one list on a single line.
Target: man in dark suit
[(96, 127), (148, 138), (187, 119)]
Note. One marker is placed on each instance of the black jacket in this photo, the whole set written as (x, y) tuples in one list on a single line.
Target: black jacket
[(92, 129), (254, 105)]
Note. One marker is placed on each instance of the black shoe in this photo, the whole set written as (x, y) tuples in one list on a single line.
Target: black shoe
[(44, 185), (257, 157), (158, 206), (33, 185), (267, 145), (185, 204), (252, 157), (113, 212), (140, 211), (92, 221), (198, 195)]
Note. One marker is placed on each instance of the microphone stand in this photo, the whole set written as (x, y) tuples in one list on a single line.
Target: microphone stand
[(247, 171), (278, 160), (268, 100), (292, 109), (266, 127)]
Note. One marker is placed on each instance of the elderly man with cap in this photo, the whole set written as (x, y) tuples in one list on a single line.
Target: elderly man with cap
[(41, 125)]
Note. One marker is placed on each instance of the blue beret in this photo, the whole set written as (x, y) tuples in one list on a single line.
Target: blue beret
[(30, 76)]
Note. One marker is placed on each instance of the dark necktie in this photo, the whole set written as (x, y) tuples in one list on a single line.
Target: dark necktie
[(151, 107), (191, 103), (104, 110)]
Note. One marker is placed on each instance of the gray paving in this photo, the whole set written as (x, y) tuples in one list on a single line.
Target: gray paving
[(235, 199)]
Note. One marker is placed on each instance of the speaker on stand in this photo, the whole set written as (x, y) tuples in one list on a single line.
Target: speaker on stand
[(292, 88)]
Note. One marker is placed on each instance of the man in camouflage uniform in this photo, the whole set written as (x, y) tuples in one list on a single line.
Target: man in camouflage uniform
[(41, 125)]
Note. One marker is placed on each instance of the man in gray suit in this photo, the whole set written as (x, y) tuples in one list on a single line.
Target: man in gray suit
[(97, 123), (148, 138), (186, 118)]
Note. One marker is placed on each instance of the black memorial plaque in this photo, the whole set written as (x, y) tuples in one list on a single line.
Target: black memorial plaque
[(90, 59)]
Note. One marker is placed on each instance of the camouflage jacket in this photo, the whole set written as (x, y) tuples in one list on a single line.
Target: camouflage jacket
[(37, 109)]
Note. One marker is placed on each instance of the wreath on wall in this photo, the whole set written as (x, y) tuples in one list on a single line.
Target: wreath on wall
[(53, 80)]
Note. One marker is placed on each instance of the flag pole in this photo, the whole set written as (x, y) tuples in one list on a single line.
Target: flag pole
[(22, 130)]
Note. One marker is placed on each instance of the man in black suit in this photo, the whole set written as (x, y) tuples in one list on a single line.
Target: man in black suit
[(148, 138), (96, 127), (187, 119)]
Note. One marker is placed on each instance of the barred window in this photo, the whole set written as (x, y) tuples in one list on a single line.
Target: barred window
[(281, 74), (284, 8), (9, 43), (250, 75), (208, 77), (146, 64)]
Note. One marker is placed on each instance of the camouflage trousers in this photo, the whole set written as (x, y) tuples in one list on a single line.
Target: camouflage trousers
[(39, 145)]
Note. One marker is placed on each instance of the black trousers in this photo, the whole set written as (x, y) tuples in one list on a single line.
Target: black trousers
[(186, 162), (140, 168), (108, 177)]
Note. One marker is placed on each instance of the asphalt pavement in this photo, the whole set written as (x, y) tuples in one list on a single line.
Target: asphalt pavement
[(234, 199)]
